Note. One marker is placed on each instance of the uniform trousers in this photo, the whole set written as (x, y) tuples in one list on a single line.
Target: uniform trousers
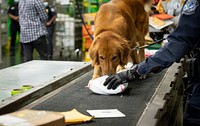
[(14, 28), (192, 107)]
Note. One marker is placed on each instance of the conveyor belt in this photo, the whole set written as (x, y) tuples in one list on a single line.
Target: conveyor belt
[(75, 95)]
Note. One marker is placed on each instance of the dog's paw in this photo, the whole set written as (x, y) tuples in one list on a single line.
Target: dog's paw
[(120, 68), (95, 76)]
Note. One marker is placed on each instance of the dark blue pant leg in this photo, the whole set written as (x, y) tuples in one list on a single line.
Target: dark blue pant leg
[(13, 33), (50, 40), (192, 109)]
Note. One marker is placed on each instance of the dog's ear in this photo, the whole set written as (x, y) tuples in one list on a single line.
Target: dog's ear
[(124, 52), (93, 53)]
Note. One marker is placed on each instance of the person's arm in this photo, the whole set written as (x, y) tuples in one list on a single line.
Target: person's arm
[(52, 20), (13, 17), (181, 41), (16, 18), (54, 16)]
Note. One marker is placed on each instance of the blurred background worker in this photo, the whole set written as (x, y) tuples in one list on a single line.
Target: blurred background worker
[(50, 26), (33, 19), (14, 27)]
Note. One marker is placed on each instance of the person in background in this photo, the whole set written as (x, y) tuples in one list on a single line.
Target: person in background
[(184, 39), (14, 27), (32, 20), (52, 15)]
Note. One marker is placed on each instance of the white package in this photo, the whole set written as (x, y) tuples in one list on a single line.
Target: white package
[(97, 86)]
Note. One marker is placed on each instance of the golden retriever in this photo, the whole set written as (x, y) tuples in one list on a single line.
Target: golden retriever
[(120, 25)]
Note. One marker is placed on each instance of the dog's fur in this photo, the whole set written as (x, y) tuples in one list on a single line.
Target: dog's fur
[(120, 25)]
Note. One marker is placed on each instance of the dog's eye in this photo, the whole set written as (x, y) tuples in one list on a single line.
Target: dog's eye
[(114, 58), (101, 57)]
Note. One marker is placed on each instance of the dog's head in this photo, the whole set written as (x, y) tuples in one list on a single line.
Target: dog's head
[(108, 51)]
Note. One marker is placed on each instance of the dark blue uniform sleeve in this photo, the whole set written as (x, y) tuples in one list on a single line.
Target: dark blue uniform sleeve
[(180, 41), (13, 10), (53, 11)]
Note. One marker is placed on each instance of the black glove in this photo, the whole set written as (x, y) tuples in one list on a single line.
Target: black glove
[(115, 80)]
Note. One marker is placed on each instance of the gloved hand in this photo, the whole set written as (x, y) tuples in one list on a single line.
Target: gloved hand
[(115, 80)]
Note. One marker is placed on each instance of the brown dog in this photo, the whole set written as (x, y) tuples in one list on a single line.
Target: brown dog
[(120, 25)]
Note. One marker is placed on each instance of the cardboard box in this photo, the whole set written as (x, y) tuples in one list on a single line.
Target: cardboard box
[(32, 118)]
